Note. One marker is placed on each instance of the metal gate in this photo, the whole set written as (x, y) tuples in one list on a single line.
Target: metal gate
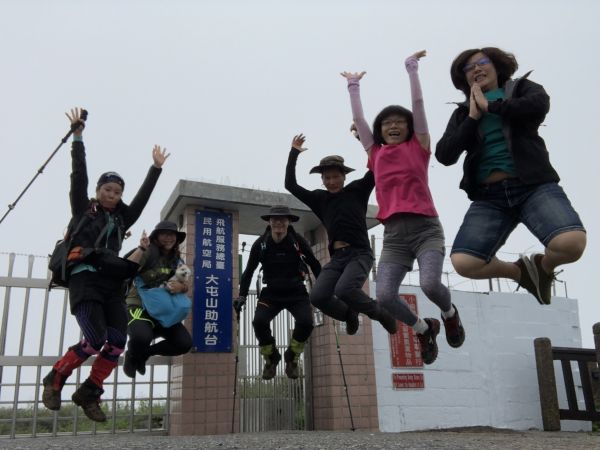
[(36, 329), (277, 404)]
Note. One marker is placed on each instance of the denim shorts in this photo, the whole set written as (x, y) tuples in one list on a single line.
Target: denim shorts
[(499, 207)]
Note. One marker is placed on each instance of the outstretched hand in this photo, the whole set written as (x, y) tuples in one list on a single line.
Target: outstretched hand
[(353, 75), (77, 123), (298, 142), (159, 156)]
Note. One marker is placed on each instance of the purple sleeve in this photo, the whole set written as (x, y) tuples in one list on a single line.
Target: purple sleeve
[(418, 105), (364, 132)]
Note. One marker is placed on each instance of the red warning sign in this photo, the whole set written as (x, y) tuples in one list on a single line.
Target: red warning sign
[(404, 345), (408, 381)]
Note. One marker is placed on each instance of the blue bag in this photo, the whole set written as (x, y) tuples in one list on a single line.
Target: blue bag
[(168, 309)]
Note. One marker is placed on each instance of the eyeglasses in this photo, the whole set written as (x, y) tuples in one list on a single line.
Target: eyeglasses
[(390, 122), (480, 62)]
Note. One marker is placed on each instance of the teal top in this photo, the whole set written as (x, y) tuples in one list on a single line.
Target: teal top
[(495, 153)]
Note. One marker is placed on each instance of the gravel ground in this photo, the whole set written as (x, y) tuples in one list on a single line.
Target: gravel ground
[(457, 439)]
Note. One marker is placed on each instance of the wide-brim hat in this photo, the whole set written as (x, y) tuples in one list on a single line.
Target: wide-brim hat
[(166, 225), (329, 162), (280, 211)]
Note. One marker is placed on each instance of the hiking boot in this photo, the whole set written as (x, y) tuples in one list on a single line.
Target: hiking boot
[(386, 320), (429, 348), (544, 279), (352, 322), (455, 333), (291, 364), (88, 397), (51, 395), (530, 278), (270, 368)]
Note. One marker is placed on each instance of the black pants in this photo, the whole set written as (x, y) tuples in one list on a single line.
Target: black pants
[(269, 306), (142, 331), (339, 286)]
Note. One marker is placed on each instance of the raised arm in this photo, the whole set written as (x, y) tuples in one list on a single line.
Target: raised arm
[(137, 205), (79, 178), (291, 184), (416, 95), (362, 127)]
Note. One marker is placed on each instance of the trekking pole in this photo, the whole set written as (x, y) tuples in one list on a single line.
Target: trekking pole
[(74, 126), (237, 360), (337, 344)]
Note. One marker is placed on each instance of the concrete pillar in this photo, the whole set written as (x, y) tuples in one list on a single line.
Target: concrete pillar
[(202, 383), (329, 402), (547, 384)]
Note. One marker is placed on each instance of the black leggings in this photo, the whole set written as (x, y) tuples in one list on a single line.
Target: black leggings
[(267, 309), (177, 339)]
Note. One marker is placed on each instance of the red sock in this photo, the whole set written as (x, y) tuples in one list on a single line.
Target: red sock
[(101, 369), (65, 367)]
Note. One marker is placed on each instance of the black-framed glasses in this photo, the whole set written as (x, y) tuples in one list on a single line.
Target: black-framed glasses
[(480, 62)]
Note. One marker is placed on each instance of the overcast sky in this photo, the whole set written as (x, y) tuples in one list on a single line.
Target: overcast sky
[(225, 85)]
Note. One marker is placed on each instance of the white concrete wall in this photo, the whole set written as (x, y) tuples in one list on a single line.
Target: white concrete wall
[(491, 380)]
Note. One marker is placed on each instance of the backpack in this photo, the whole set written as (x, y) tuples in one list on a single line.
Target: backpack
[(59, 263), (302, 264)]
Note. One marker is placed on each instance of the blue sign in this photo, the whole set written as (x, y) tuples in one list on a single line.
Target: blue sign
[(213, 274)]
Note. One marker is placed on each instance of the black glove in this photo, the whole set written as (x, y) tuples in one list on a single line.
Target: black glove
[(239, 303)]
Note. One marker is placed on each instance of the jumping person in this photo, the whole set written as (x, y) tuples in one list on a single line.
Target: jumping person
[(506, 174), (285, 257), (398, 152), (95, 283), (158, 256), (342, 210)]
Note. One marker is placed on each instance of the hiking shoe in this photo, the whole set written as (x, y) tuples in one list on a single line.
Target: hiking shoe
[(291, 364), (429, 348), (544, 279), (270, 368), (352, 322), (529, 277), (455, 333), (386, 320), (88, 397), (51, 395)]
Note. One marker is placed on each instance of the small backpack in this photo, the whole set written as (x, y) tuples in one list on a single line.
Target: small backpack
[(302, 264), (59, 263)]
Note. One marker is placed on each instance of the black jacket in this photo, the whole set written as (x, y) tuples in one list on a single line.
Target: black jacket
[(280, 263), (123, 215), (522, 111), (343, 214)]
